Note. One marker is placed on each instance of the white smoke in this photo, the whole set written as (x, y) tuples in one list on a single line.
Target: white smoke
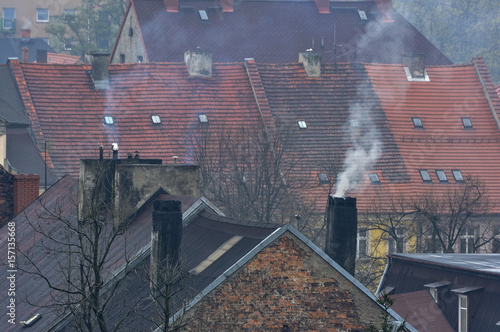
[(366, 150)]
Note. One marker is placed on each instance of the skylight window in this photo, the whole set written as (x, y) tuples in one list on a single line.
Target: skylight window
[(417, 122), (457, 175), (362, 15), (441, 175), (203, 118), (353, 123), (467, 123), (203, 15), (108, 120), (425, 175), (302, 124), (323, 178), (374, 178), (156, 119)]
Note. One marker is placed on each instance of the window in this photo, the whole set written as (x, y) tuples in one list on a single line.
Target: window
[(467, 237), (362, 15), (396, 241), (323, 178), (68, 44), (425, 175), (467, 123), (457, 175), (417, 123), (69, 15), (203, 15), (42, 14), (156, 119), (432, 244), (362, 243), (353, 123), (302, 124), (139, 58), (462, 313), (495, 246), (441, 175), (102, 43), (374, 178), (9, 15), (122, 58), (203, 118), (108, 120)]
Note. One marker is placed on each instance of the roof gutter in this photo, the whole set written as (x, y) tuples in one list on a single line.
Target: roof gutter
[(383, 276), (487, 95)]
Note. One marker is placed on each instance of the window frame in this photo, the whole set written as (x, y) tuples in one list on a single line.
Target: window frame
[(467, 125), (12, 19), (39, 11), (417, 123), (441, 175), (203, 118), (359, 239), (302, 124), (323, 178), (462, 310), (155, 118), (467, 240), (69, 15), (374, 178), (457, 179), (108, 120), (426, 172), (393, 242)]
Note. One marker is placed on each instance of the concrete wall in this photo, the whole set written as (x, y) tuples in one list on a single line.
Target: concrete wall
[(130, 41), (286, 285)]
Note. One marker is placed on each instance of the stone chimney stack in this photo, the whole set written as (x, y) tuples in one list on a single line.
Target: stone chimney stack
[(26, 54), (311, 62), (41, 56), (166, 239), (198, 63), (100, 70), (341, 231)]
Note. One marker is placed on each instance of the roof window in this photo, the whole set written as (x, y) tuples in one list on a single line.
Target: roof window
[(467, 123), (302, 124), (458, 175), (203, 118), (108, 120), (417, 122), (441, 175), (203, 15), (156, 119), (374, 178), (425, 175), (353, 123), (362, 15), (323, 178)]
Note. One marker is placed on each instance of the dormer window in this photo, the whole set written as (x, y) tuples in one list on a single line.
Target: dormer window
[(441, 175), (108, 120), (417, 123), (425, 175), (302, 124), (155, 119), (374, 179), (467, 123)]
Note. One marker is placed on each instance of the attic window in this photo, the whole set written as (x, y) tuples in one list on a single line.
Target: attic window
[(425, 175), (374, 178), (156, 119), (417, 122), (203, 118), (130, 32), (302, 124), (467, 123), (441, 175), (108, 120), (458, 175), (362, 15), (203, 15), (323, 178)]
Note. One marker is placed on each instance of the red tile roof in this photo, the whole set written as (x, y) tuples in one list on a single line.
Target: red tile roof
[(276, 31), (62, 58)]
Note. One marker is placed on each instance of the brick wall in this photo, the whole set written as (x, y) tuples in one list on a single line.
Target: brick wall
[(26, 190), (286, 287), (6, 196)]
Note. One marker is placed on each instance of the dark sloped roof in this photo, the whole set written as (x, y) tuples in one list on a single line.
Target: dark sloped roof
[(13, 48), (410, 272), (276, 31), (11, 106)]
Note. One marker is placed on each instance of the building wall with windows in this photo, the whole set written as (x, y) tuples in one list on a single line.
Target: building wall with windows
[(33, 15)]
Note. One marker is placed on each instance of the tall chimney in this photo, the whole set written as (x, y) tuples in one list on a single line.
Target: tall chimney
[(198, 63), (166, 239), (100, 70), (41, 56), (26, 54), (341, 231), (172, 6), (311, 62)]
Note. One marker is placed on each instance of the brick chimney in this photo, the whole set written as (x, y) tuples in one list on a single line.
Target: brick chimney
[(25, 34), (172, 6), (323, 6), (227, 6), (166, 239), (26, 190), (198, 63), (311, 62), (385, 9), (100, 70), (26, 54), (341, 231), (41, 56)]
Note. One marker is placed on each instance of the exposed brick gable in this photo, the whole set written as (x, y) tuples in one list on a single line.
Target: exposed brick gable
[(285, 285)]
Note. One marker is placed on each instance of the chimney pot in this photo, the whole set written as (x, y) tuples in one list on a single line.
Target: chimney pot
[(341, 231), (311, 62), (100, 70), (198, 63)]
